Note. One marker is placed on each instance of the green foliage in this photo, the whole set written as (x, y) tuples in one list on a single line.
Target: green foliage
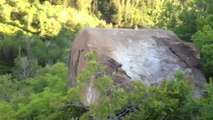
[(51, 98), (92, 68), (39, 31), (108, 103), (37, 28), (206, 102), (25, 67), (6, 111), (42, 106), (170, 100), (69, 109), (104, 84), (187, 27), (107, 106), (8, 47), (35, 38), (203, 39), (8, 87), (45, 96), (54, 77)]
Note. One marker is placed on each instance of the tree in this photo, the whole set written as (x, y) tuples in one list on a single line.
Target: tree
[(206, 102), (203, 39), (25, 67), (8, 87)]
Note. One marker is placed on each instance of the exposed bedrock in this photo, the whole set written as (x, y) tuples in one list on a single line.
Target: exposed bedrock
[(150, 55)]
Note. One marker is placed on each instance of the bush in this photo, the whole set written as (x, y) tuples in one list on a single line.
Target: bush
[(206, 103), (203, 39), (170, 100)]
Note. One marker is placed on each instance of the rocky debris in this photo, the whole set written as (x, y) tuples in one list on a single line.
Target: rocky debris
[(114, 70), (149, 55)]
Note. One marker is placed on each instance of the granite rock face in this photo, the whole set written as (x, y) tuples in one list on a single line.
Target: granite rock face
[(149, 55)]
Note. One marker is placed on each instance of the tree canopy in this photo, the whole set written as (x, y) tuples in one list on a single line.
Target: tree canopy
[(35, 40)]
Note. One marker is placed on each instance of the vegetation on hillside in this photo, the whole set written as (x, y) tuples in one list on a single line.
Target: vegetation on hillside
[(35, 39)]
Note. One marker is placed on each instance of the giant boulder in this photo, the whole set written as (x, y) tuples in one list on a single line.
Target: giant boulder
[(149, 55)]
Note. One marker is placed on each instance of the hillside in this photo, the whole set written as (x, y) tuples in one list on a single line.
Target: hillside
[(36, 38)]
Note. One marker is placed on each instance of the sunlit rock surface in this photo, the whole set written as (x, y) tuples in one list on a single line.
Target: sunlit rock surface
[(149, 55)]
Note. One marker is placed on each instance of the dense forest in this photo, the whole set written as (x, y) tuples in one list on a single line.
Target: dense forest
[(35, 41)]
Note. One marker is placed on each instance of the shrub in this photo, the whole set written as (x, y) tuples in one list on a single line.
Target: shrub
[(203, 39)]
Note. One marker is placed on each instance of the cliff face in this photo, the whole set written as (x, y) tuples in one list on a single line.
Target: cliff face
[(149, 55)]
